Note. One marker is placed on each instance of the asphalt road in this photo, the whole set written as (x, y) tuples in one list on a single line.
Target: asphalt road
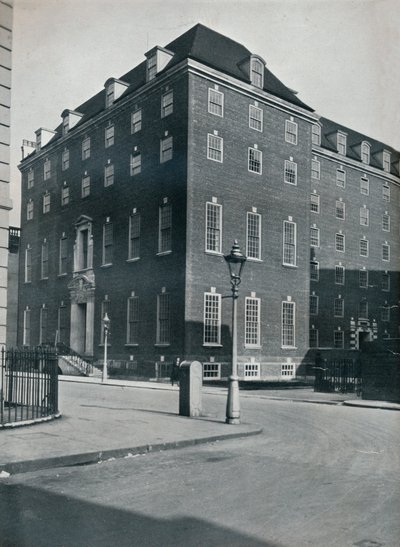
[(318, 476)]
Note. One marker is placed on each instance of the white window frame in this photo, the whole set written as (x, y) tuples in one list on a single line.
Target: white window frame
[(213, 230), (136, 164), (386, 222), (256, 118), (365, 152), (167, 103), (291, 131), (385, 281), (252, 322), (340, 210), (211, 370), (341, 144), (364, 216), (339, 267), (108, 175), (132, 321), (290, 172), (288, 369), (364, 243), (165, 228), (289, 245), (85, 186), (43, 324), (28, 265), (253, 241), (29, 210), (386, 252), (254, 160), (314, 304), (63, 255), (386, 161), (212, 301), (215, 148), (363, 309), (46, 169), (86, 148), (338, 307), (30, 179), (342, 238), (26, 341), (65, 160), (44, 260), (251, 371), (315, 169), (315, 200), (338, 341), (109, 135), (385, 313), (386, 192), (316, 134), (46, 203), (363, 279), (314, 237), (105, 260), (166, 149), (134, 236), (364, 186), (215, 102), (257, 72), (316, 338), (136, 121), (288, 336), (340, 178), (314, 270)]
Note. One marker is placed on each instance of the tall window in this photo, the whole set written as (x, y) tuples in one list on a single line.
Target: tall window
[(290, 173), (28, 265), (385, 252), (338, 339), (341, 143), (289, 243), (338, 307), (316, 134), (47, 169), (215, 148), (364, 186), (314, 237), (212, 319), (386, 192), (46, 203), (86, 148), (163, 319), (257, 73), (313, 337), (364, 247), (44, 269), (291, 132), (136, 163), (314, 203), (85, 188), (340, 243), (27, 328), (385, 281), (314, 270), (365, 149), (29, 210), (363, 279), (109, 136), (65, 195), (167, 104), (43, 325), (136, 121), (341, 178), (253, 236), (339, 274), (340, 210), (166, 149), (151, 67), (62, 263), (62, 324), (386, 222), (30, 179), (132, 331), (134, 236), (364, 216), (165, 228), (109, 175), (252, 322), (385, 313), (288, 324), (315, 169), (363, 309), (314, 304), (65, 160), (213, 227), (255, 160), (255, 118), (110, 94), (215, 102), (107, 243)]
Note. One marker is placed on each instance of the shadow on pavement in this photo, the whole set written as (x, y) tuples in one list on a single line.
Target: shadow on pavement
[(31, 517)]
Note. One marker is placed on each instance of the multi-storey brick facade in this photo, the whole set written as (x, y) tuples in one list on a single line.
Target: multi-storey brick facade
[(130, 204)]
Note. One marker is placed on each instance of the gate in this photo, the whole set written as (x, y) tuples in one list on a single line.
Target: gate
[(28, 385), (342, 375)]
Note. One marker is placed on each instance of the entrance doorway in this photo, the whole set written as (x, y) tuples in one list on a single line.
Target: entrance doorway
[(80, 329), (364, 336)]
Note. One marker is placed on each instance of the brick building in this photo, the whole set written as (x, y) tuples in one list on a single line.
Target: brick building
[(130, 204)]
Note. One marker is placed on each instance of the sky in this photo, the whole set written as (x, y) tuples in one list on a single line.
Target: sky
[(342, 56)]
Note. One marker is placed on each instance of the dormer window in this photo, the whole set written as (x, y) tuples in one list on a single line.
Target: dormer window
[(65, 125), (365, 152), (257, 72), (157, 60), (341, 143), (386, 161), (114, 90), (70, 119), (43, 136)]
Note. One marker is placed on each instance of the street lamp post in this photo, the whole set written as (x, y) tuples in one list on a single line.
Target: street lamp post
[(235, 260), (106, 327)]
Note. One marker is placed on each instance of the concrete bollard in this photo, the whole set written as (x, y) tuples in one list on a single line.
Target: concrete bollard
[(190, 383)]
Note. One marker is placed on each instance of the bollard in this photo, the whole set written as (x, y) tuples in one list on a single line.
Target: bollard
[(190, 386)]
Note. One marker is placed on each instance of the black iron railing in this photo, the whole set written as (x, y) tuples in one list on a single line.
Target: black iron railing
[(341, 375), (28, 385)]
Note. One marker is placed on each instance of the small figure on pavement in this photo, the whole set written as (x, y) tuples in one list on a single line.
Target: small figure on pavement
[(175, 371)]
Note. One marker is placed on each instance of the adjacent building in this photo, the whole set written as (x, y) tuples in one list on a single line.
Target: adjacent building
[(129, 206)]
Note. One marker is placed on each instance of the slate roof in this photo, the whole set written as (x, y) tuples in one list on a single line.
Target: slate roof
[(354, 139)]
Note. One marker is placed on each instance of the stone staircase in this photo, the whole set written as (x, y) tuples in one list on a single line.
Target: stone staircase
[(72, 364)]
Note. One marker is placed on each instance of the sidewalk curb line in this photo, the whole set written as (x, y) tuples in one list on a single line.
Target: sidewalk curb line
[(366, 405), (88, 458)]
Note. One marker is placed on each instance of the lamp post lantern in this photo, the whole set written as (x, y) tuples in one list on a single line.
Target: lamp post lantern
[(236, 261), (106, 327)]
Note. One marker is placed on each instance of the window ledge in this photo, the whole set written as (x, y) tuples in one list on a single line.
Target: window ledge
[(166, 345), (131, 345), (44, 279), (288, 347), (250, 346), (133, 259), (292, 266), (62, 274), (106, 265), (213, 253), (163, 253), (205, 345), (249, 259)]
